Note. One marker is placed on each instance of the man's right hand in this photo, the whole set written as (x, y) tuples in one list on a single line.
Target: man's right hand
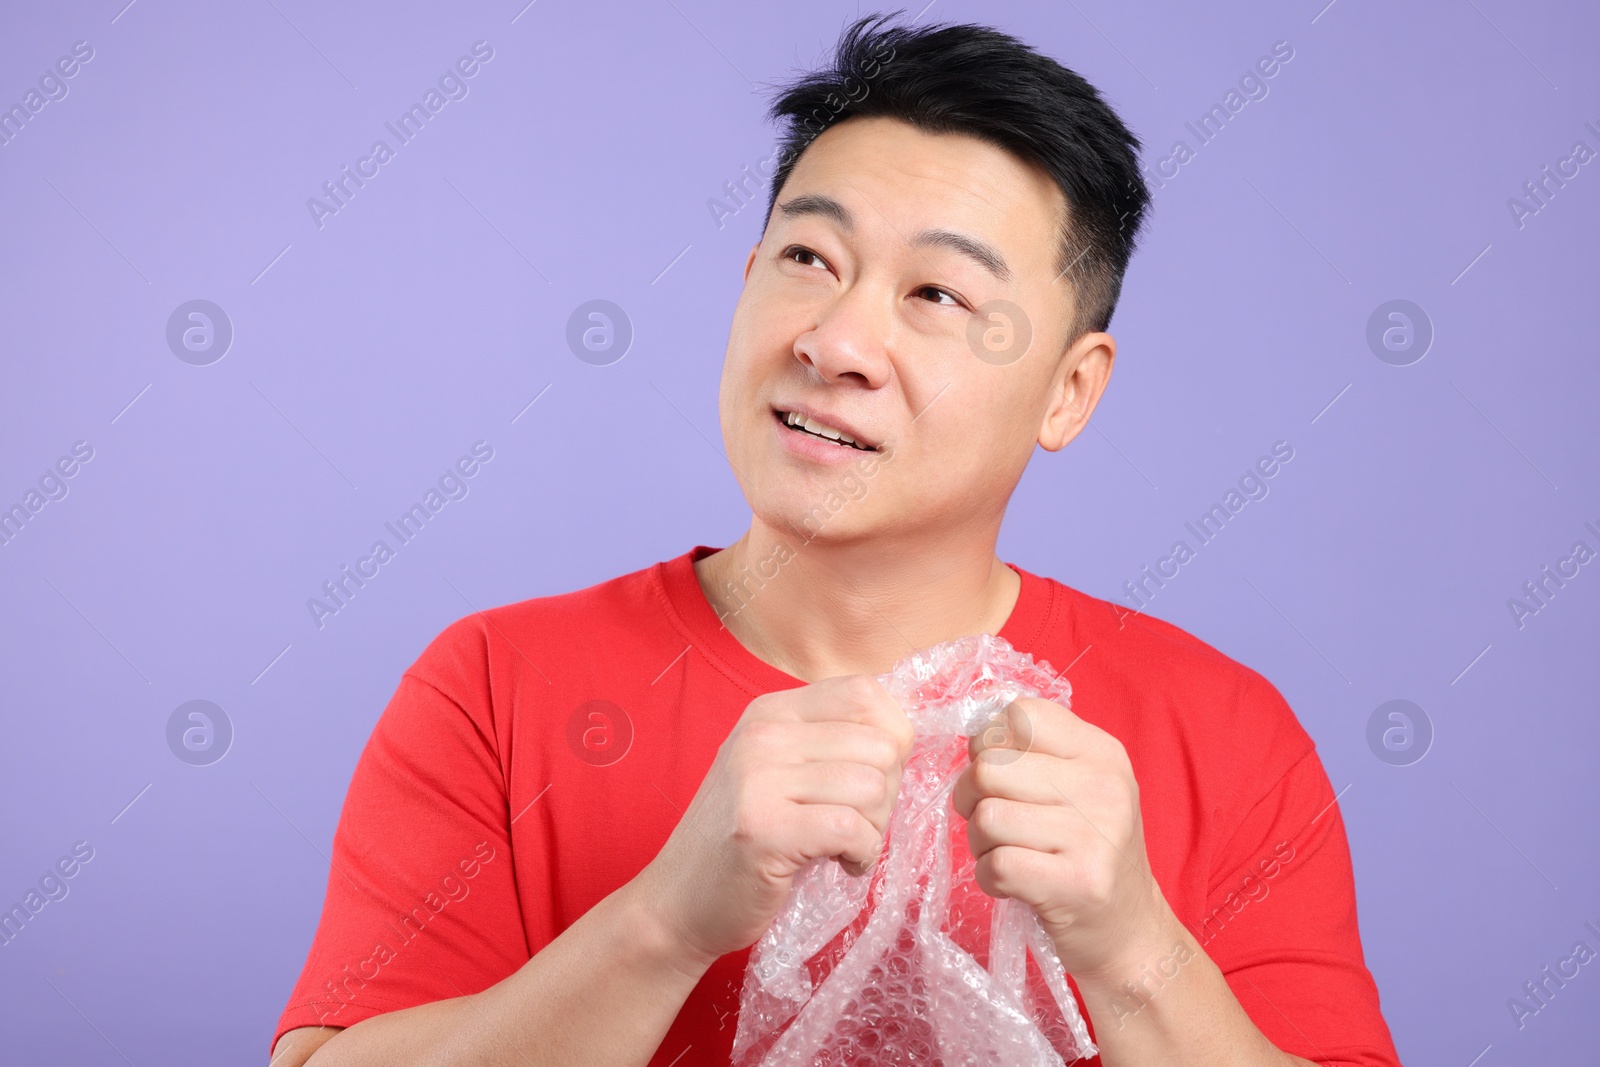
[(804, 774)]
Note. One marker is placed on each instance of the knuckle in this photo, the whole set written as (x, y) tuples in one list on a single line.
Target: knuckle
[(759, 708), (860, 689), (987, 814), (986, 774), (1096, 882), (760, 735), (1002, 866), (883, 750), (1111, 794), (875, 784), (866, 783), (983, 874), (842, 824)]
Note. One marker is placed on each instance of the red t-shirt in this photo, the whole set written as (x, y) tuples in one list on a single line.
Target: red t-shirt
[(536, 757)]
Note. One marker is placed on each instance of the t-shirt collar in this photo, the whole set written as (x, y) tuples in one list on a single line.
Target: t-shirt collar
[(695, 616)]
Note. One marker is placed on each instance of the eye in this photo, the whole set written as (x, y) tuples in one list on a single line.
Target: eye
[(799, 250), (951, 300)]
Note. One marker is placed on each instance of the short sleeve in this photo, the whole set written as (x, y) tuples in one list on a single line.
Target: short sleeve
[(421, 902), (1280, 923)]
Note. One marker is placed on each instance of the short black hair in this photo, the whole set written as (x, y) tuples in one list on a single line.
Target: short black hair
[(971, 79)]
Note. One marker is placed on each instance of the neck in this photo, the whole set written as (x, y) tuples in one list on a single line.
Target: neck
[(816, 610)]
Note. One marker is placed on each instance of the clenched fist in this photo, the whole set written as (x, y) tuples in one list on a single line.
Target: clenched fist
[(1053, 820), (807, 773)]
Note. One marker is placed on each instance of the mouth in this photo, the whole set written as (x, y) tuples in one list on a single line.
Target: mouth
[(797, 422)]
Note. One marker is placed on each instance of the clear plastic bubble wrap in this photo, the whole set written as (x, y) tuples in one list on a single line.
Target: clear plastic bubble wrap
[(912, 963)]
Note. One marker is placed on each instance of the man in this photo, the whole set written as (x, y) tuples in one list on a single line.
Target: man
[(578, 812)]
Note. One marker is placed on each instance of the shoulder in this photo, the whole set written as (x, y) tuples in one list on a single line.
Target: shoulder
[(531, 639), (1164, 680)]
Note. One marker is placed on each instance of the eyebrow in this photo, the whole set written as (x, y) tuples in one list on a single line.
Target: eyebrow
[(980, 252)]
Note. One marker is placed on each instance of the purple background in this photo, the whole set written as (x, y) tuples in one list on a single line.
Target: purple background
[(370, 353)]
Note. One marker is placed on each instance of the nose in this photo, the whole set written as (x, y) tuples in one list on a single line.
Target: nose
[(850, 341)]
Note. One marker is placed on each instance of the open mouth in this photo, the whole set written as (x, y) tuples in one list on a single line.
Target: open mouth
[(799, 423)]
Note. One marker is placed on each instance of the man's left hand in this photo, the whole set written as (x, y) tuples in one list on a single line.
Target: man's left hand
[(1052, 810)]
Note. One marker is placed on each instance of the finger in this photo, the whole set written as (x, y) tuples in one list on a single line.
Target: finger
[(852, 867), (823, 742), (1013, 871), (854, 698), (1029, 724), (866, 789), (995, 822), (831, 831), (965, 794), (1029, 777)]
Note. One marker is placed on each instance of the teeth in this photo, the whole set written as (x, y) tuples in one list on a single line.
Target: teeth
[(813, 426), (821, 429)]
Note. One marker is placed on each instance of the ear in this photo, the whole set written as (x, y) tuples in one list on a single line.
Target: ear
[(1079, 381), (751, 259)]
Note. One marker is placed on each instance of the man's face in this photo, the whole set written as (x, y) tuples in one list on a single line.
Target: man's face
[(863, 313)]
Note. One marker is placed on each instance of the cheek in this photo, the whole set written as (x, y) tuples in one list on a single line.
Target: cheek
[(976, 431), (978, 423), (760, 340), (742, 369)]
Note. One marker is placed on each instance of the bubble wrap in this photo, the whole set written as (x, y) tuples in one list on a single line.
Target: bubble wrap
[(912, 963)]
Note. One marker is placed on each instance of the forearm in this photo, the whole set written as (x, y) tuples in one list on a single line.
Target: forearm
[(1174, 1006), (604, 993)]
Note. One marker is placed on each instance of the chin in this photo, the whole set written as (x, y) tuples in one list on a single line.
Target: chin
[(806, 512)]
